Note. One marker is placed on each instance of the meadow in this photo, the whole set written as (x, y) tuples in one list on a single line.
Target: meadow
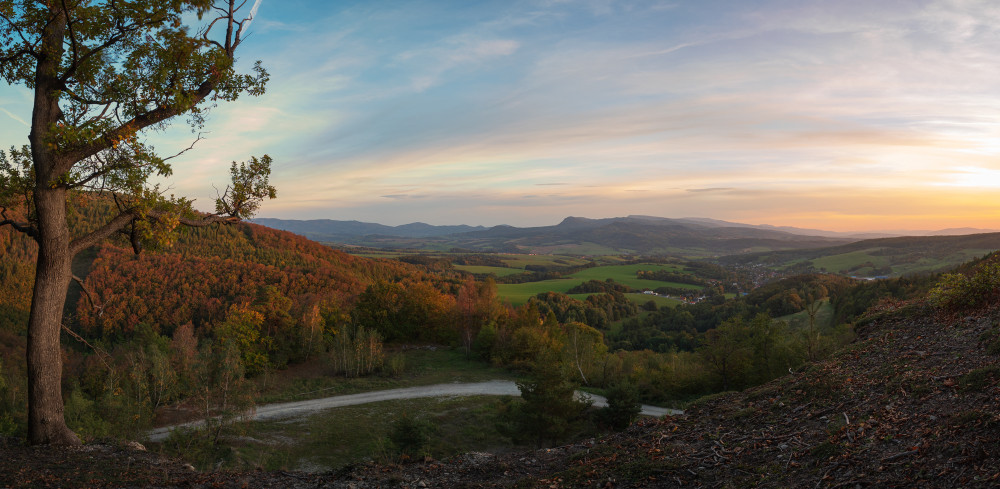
[(518, 294)]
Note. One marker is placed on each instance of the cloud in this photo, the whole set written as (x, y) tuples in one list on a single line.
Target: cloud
[(711, 189), (15, 117), (429, 64)]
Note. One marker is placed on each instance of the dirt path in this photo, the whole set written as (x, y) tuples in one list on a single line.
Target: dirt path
[(303, 408)]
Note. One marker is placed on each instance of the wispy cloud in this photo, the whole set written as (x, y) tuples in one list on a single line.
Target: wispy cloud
[(15, 117), (710, 189), (768, 111)]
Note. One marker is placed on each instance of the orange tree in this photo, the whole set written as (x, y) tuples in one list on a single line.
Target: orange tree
[(104, 73)]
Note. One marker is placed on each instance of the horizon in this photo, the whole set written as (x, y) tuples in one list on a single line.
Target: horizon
[(849, 116), (778, 227)]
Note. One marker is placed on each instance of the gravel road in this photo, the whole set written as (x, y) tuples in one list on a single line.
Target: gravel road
[(303, 408)]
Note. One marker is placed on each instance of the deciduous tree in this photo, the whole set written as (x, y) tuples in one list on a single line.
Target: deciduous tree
[(103, 74)]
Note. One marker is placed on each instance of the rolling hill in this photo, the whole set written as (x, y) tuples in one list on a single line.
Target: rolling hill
[(877, 257), (337, 231), (574, 236)]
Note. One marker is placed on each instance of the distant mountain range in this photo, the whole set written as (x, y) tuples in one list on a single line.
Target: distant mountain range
[(330, 230), (648, 235), (839, 234), (574, 235), (334, 231)]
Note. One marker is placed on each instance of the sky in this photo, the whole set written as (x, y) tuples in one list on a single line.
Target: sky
[(847, 115)]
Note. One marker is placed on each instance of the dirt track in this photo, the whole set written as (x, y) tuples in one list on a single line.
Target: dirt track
[(303, 408)]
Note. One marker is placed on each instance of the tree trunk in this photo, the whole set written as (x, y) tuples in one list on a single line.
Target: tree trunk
[(46, 424)]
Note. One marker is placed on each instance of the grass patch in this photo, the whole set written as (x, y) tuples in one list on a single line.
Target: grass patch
[(824, 317), (482, 270), (660, 301), (335, 438), (520, 261), (423, 366), (519, 294), (625, 274), (852, 262), (979, 379)]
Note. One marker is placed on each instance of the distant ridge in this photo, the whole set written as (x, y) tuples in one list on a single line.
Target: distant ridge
[(690, 236), (331, 230)]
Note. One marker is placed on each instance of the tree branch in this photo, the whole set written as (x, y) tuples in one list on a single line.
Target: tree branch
[(185, 150), (86, 241), (123, 31), (128, 216), (17, 54), (134, 125), (22, 227), (209, 220), (90, 297)]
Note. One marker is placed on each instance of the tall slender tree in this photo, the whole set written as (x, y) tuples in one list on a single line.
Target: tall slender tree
[(104, 74)]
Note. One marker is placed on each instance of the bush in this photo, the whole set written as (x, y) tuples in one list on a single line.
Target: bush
[(410, 435), (623, 406), (955, 291), (549, 411)]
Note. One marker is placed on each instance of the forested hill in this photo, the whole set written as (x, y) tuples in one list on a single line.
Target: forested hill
[(878, 257), (914, 402), (574, 235), (196, 279), (332, 230)]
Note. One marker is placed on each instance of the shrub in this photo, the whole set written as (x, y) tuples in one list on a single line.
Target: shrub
[(623, 406), (955, 291), (410, 435), (550, 410)]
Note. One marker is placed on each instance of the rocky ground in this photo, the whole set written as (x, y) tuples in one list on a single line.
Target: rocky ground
[(915, 402)]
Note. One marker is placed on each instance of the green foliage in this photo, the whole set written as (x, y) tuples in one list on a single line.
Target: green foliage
[(404, 312), (599, 287), (623, 405), (243, 329), (583, 350), (598, 310), (84, 418), (549, 410), (249, 187), (956, 291), (409, 435), (10, 411), (357, 351)]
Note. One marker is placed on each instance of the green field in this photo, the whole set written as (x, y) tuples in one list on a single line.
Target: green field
[(518, 294), (800, 320), (900, 263), (639, 298), (846, 261), (520, 261), (625, 274), (482, 270)]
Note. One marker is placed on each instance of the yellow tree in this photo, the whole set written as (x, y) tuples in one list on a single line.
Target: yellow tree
[(103, 74)]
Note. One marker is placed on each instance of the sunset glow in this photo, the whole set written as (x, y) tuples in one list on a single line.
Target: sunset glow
[(847, 116)]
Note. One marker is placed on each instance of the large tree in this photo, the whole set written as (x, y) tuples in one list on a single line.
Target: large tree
[(104, 74)]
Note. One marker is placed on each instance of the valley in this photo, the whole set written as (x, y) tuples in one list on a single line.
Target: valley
[(281, 319)]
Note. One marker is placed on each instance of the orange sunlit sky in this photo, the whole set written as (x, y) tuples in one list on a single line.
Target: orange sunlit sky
[(847, 115)]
